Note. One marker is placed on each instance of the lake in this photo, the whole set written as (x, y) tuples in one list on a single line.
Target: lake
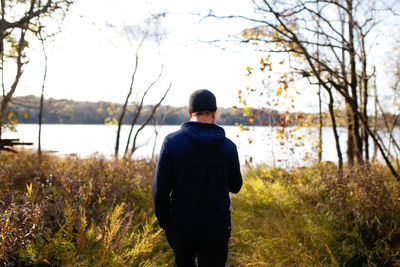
[(259, 144)]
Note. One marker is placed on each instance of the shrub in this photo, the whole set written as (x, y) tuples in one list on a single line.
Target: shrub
[(77, 211), (307, 216)]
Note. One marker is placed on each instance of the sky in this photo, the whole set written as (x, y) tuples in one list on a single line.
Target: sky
[(93, 58)]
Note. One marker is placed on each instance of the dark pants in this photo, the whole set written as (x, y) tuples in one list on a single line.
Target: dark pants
[(213, 253)]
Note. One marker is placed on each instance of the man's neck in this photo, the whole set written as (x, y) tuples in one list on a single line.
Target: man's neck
[(203, 117), (202, 120)]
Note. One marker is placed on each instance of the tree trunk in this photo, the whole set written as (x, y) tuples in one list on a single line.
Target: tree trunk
[(364, 79), (350, 138), (353, 87), (121, 117), (320, 126), (319, 94), (336, 135), (42, 99), (375, 129)]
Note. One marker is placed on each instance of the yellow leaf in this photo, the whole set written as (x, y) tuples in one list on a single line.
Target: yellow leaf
[(10, 114), (249, 69), (279, 91), (29, 187), (26, 116), (246, 111)]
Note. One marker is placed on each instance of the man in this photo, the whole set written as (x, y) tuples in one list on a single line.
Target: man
[(197, 168)]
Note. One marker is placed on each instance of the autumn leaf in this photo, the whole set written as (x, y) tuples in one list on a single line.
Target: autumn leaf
[(26, 116), (246, 111), (29, 187), (249, 70), (263, 64), (286, 114), (285, 85), (279, 91)]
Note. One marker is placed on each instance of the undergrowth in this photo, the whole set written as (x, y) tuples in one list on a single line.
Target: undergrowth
[(78, 212), (98, 212), (309, 217)]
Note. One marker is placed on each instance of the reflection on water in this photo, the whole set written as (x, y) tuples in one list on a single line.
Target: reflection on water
[(259, 144)]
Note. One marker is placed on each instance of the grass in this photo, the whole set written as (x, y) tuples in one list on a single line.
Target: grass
[(304, 217), (98, 212)]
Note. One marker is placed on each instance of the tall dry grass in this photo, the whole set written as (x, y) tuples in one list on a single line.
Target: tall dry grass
[(79, 212), (99, 212), (307, 217)]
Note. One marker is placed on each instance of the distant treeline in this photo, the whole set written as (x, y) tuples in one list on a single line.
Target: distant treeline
[(26, 110)]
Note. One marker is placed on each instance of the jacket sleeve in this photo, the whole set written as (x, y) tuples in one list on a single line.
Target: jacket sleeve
[(235, 176), (162, 187)]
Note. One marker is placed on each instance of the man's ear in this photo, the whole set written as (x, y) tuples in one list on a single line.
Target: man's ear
[(190, 114), (213, 115)]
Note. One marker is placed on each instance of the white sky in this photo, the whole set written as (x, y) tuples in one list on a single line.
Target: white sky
[(90, 61)]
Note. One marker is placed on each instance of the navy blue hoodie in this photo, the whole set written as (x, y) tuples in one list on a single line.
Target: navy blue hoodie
[(197, 168)]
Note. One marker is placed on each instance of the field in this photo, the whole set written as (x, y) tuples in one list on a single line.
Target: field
[(96, 212)]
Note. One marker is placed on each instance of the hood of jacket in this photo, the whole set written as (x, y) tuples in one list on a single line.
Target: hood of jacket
[(207, 135)]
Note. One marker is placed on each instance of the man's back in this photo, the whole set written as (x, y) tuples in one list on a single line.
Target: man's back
[(202, 167)]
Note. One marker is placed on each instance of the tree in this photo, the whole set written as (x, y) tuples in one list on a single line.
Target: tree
[(42, 97), (22, 22), (331, 38), (148, 31)]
